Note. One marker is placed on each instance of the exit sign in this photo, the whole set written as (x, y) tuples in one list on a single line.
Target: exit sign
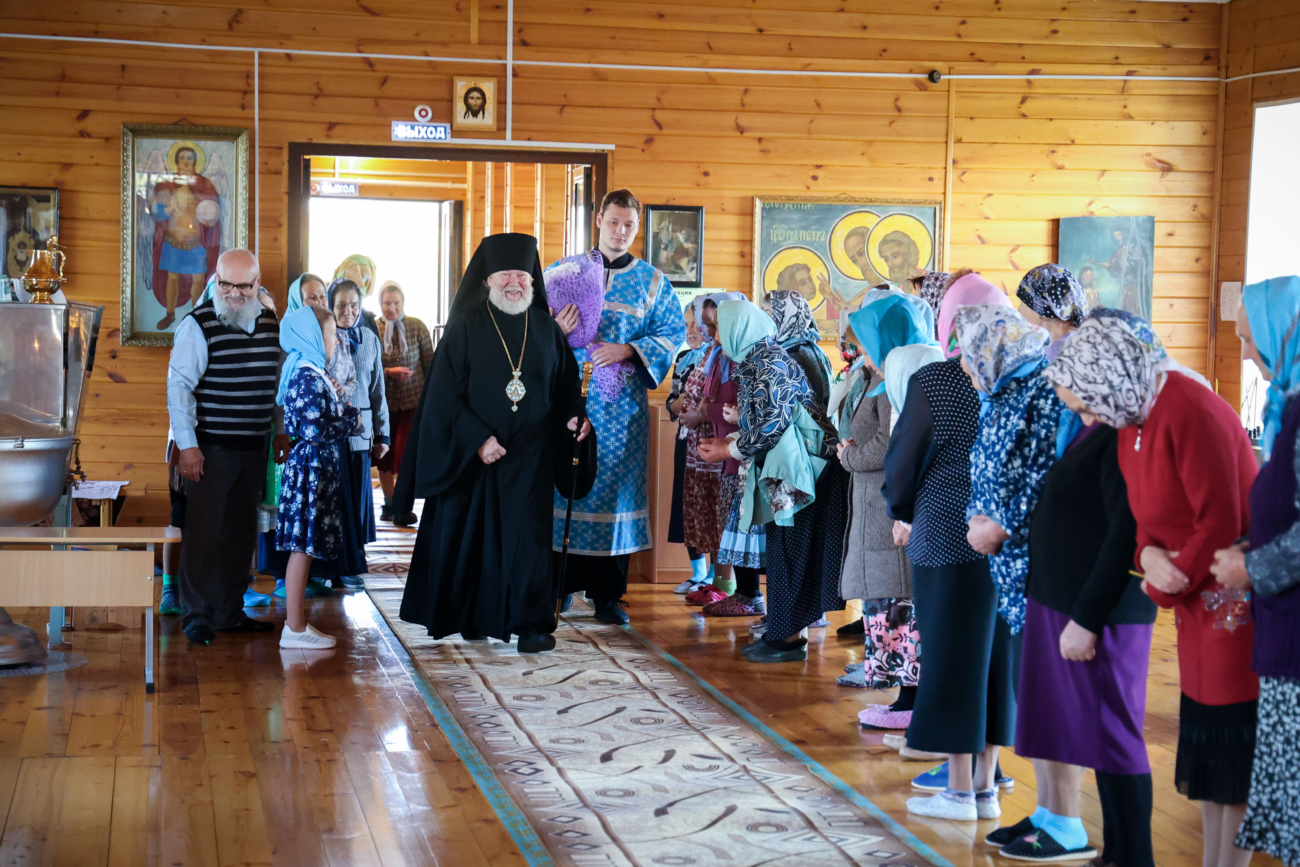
[(337, 188), (405, 130)]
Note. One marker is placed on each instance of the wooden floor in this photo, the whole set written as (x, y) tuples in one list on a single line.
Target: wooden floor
[(247, 755)]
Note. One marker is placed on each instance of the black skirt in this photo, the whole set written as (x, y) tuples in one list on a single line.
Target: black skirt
[(966, 697), (803, 561), (1216, 750), (676, 519)]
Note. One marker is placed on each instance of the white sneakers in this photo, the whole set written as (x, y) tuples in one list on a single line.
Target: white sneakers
[(688, 586), (988, 805), (310, 638), (945, 806)]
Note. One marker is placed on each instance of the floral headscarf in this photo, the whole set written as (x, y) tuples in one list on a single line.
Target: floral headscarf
[(965, 291), (1143, 331), (1111, 368), (1053, 292), (1273, 311), (793, 318), (998, 345), (351, 268), (934, 286)]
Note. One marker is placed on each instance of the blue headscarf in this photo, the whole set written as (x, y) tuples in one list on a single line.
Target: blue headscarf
[(714, 358), (890, 322), (1273, 311), (742, 324), (295, 296), (712, 353), (303, 342), (692, 357)]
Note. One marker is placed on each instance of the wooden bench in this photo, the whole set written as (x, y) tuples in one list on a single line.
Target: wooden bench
[(60, 577)]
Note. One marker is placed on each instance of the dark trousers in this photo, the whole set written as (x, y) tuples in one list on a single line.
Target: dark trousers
[(1126, 819), (220, 536), (747, 581), (603, 578)]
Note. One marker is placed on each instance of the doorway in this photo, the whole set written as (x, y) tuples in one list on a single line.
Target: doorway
[(420, 212), (1270, 250)]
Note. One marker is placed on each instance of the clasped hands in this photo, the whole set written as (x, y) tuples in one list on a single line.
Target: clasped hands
[(1228, 569), (714, 450), (604, 354), (985, 535), (492, 451)]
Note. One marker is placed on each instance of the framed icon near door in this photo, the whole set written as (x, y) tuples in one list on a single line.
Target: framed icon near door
[(184, 203), (474, 103)]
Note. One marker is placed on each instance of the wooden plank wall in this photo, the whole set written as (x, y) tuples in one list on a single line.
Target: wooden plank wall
[(1025, 152), (519, 198), (1263, 35)]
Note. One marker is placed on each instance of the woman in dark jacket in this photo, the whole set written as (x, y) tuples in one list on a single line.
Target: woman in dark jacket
[(965, 704), (1087, 641)]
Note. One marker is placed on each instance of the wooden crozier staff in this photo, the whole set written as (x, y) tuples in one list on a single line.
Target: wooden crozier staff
[(587, 368)]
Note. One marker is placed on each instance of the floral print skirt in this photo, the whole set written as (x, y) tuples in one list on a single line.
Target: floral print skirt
[(1272, 821), (737, 548), (700, 508), (893, 644), (311, 501)]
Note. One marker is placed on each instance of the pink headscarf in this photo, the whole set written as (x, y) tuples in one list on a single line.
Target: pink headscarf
[(965, 291)]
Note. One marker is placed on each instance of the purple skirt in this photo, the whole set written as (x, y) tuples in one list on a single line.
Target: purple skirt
[(1083, 713)]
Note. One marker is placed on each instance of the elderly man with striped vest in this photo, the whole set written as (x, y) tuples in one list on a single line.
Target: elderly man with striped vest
[(221, 385)]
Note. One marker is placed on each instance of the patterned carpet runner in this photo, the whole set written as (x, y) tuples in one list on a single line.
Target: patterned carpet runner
[(617, 756)]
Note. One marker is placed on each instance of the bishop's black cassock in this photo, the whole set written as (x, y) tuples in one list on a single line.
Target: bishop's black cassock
[(482, 564)]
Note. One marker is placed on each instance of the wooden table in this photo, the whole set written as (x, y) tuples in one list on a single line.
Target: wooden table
[(61, 576), (83, 617)]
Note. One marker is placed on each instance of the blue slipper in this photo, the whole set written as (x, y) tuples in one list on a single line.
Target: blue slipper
[(315, 589), (253, 599), (936, 780)]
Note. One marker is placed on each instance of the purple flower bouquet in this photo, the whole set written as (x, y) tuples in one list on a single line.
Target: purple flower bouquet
[(580, 280)]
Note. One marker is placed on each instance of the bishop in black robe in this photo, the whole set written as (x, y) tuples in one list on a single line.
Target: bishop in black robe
[(482, 564)]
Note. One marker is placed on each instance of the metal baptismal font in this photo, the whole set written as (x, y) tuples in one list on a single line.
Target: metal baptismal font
[(47, 351)]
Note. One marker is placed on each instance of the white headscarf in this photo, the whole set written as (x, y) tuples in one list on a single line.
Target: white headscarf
[(394, 329)]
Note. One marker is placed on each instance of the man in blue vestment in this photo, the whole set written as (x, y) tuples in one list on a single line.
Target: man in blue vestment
[(641, 328)]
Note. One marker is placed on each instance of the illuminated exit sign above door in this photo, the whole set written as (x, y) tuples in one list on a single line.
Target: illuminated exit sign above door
[(405, 130), (335, 188)]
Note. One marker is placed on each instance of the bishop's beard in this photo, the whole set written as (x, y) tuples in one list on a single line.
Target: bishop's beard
[(498, 299), (243, 318)]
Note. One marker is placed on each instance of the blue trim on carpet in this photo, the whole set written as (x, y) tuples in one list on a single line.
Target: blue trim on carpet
[(844, 789), (520, 829)]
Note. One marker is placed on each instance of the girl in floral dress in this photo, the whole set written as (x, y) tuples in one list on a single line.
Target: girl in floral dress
[(310, 523)]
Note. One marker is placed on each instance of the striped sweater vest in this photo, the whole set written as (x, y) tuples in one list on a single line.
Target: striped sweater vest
[(236, 394)]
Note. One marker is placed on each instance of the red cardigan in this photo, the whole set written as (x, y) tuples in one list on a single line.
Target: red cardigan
[(1189, 488)]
